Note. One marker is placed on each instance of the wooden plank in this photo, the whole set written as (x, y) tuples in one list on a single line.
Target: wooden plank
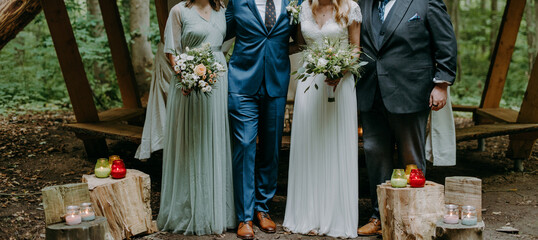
[(161, 7), (521, 145), (462, 108), (463, 191), (73, 71), (498, 114), (120, 114), (491, 130), (57, 198), (502, 54), (120, 54), (111, 130)]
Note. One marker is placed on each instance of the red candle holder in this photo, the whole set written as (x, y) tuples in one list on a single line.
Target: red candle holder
[(118, 169), (416, 178)]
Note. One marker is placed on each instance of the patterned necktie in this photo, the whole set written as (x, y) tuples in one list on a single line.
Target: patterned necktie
[(382, 10), (270, 15)]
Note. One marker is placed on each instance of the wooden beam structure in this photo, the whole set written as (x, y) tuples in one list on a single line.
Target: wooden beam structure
[(161, 7), (502, 54), (520, 146), (73, 71), (120, 54)]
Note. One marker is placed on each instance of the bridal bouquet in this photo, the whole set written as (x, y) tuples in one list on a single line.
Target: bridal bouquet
[(198, 69), (331, 59)]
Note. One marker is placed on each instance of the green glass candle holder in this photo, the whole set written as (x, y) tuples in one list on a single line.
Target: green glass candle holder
[(102, 169), (398, 179)]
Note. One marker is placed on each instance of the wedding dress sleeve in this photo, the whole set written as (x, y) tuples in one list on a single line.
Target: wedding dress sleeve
[(354, 13), (172, 31)]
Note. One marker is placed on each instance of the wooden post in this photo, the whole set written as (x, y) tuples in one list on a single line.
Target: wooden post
[(521, 144), (410, 213), (161, 7), (94, 230), (124, 202), (57, 198), (120, 54), (464, 191), (73, 71), (502, 53)]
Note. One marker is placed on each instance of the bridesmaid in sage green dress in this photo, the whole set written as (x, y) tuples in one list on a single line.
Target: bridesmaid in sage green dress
[(196, 192)]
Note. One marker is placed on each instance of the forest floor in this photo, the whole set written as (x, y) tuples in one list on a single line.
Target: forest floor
[(35, 152)]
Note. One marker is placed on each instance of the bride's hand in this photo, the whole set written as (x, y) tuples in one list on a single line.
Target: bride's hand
[(186, 91)]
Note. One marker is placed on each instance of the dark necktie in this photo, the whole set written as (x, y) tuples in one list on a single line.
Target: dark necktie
[(382, 9), (270, 15)]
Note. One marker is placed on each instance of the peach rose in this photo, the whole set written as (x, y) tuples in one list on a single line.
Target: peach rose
[(200, 70)]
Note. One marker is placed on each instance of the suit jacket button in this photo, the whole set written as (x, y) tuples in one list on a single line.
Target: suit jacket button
[(382, 33)]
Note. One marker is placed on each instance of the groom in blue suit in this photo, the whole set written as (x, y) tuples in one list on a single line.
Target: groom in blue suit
[(258, 78)]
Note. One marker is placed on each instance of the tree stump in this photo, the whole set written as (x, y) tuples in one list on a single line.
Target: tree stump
[(92, 230), (458, 231), (410, 213), (124, 202), (464, 191), (57, 198)]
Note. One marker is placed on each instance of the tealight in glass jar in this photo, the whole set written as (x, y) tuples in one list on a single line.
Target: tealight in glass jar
[(451, 215), (72, 216), (468, 215), (86, 212)]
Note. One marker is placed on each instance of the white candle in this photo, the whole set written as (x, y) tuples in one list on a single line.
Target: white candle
[(451, 219), (87, 215), (73, 219)]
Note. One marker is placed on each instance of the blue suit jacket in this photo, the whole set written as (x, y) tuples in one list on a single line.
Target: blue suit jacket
[(258, 54)]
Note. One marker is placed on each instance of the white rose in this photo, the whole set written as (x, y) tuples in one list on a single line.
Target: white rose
[(322, 62), (336, 69), (183, 56), (177, 68), (189, 58), (183, 66), (289, 8)]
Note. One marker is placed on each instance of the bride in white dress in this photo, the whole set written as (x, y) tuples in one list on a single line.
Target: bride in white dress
[(323, 190)]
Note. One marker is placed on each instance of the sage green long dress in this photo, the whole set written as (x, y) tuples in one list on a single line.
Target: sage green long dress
[(196, 191)]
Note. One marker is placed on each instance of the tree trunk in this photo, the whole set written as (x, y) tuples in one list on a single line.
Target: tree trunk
[(531, 17), (494, 24), (140, 46), (94, 14), (14, 16), (453, 7)]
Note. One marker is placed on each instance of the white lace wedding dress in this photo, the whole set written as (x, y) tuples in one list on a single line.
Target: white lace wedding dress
[(323, 172)]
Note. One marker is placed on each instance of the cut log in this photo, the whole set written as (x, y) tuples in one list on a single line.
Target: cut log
[(124, 202), (410, 213), (445, 231), (93, 230), (464, 191), (57, 198)]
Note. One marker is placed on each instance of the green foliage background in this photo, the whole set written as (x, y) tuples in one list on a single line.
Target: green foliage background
[(30, 76)]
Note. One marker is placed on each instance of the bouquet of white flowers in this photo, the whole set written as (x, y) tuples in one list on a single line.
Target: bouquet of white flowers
[(198, 69), (294, 9), (331, 59)]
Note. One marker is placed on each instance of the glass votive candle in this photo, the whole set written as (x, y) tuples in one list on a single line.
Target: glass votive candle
[(398, 179), (468, 215), (451, 215), (73, 215), (113, 158), (408, 169), (417, 179), (86, 212), (118, 169), (102, 169)]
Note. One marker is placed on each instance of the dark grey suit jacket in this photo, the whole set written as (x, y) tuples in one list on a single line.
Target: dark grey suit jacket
[(411, 53)]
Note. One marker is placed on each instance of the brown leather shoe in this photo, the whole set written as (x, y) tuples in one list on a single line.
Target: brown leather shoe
[(371, 228), (245, 230), (263, 220)]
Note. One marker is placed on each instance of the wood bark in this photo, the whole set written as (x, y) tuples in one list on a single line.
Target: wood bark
[(94, 14), (453, 7), (92, 230), (14, 16), (494, 24), (57, 198), (445, 231), (142, 56), (464, 191), (124, 202), (410, 213), (531, 18)]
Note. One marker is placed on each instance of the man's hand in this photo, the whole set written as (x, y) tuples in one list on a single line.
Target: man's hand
[(438, 96)]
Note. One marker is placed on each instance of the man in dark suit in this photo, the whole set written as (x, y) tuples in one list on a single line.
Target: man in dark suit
[(411, 49)]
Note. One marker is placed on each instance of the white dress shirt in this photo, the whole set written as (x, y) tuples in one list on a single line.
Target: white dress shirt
[(260, 4)]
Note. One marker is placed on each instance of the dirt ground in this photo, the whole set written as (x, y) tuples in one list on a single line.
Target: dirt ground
[(36, 152)]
